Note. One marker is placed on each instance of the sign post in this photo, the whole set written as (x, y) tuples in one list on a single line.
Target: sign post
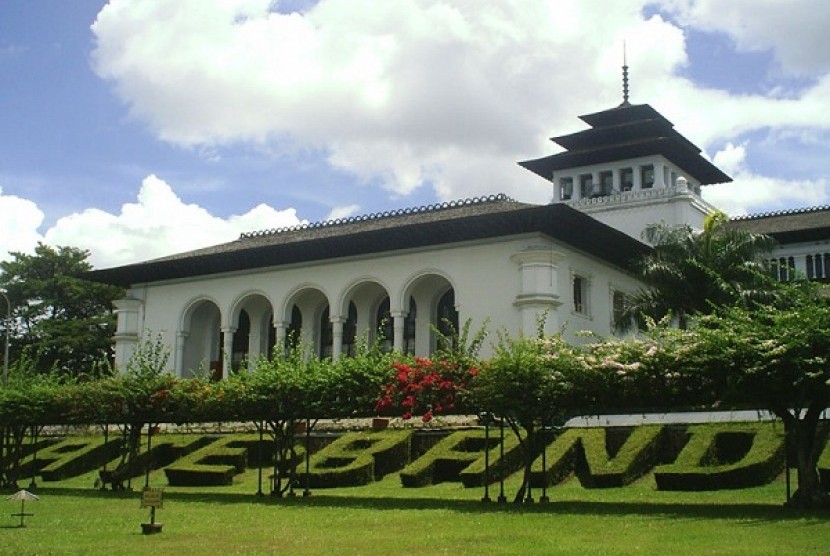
[(152, 498)]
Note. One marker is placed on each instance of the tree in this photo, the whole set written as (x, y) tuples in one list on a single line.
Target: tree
[(531, 384), (60, 321), (690, 272), (778, 358)]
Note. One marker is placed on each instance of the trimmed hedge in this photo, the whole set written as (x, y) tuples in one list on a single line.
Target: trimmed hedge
[(473, 475), (635, 457), (75, 456), (219, 461), (358, 458), (725, 456), (601, 458), (448, 458)]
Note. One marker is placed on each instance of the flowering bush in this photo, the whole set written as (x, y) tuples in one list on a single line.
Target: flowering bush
[(425, 387)]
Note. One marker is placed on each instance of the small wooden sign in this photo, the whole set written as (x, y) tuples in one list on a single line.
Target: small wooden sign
[(151, 498)]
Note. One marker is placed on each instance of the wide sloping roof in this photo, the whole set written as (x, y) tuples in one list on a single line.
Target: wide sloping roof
[(789, 226), (627, 131), (470, 220)]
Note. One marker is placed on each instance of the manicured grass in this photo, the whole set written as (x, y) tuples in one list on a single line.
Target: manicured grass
[(384, 518)]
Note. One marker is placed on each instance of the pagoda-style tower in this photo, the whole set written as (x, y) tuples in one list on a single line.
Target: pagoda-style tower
[(631, 168)]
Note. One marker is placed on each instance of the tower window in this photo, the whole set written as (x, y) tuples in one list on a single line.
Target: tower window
[(606, 183), (627, 179), (647, 175), (566, 188), (586, 185)]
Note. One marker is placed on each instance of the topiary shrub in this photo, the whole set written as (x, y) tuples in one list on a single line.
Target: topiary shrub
[(218, 462), (725, 456), (75, 456), (446, 460), (358, 458)]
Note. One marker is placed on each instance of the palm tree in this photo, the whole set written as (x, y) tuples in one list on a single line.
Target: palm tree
[(693, 271)]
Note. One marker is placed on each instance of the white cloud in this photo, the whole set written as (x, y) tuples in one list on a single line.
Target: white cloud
[(441, 92), (795, 31), (342, 212), (19, 225), (750, 193), (158, 224)]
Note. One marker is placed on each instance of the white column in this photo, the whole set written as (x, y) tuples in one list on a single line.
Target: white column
[(280, 331), (181, 342), (227, 347), (398, 319), (336, 337), (659, 175)]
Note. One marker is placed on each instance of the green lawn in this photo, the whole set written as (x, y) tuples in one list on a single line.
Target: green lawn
[(386, 519)]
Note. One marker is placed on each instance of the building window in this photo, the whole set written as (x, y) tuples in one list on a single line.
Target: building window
[(783, 269), (409, 328), (818, 266), (350, 332), (586, 185), (566, 188), (580, 294), (606, 183), (627, 179), (385, 327), (617, 309), (447, 320), (647, 176), (294, 330)]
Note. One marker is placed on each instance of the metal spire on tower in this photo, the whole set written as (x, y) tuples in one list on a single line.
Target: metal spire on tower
[(625, 79)]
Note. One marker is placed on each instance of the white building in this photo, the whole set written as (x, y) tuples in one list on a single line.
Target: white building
[(488, 260)]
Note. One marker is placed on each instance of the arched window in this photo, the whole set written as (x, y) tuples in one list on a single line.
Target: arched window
[(385, 327), (409, 328), (326, 334), (294, 330), (447, 319), (350, 331), (240, 341)]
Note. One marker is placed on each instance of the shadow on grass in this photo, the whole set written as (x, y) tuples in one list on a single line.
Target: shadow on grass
[(744, 512)]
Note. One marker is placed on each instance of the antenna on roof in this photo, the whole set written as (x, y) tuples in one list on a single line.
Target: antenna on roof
[(625, 79)]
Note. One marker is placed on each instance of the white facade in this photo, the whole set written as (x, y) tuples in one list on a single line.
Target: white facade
[(489, 262), (507, 284)]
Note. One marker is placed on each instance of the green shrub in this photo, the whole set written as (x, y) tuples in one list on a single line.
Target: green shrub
[(473, 475), (358, 458), (75, 456), (448, 458), (725, 456), (219, 461), (635, 457)]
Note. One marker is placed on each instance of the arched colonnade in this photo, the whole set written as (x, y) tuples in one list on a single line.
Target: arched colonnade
[(223, 338)]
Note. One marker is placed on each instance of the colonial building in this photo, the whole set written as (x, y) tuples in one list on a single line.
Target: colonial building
[(397, 277)]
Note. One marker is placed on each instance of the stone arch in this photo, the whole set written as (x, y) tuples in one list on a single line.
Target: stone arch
[(311, 301), (367, 294), (251, 322), (199, 347), (426, 288)]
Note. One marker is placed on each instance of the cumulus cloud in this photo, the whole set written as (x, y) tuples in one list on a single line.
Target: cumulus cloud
[(444, 93), (158, 223), (795, 32), (19, 225), (751, 193)]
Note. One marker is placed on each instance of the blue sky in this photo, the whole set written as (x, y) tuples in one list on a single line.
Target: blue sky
[(140, 128)]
